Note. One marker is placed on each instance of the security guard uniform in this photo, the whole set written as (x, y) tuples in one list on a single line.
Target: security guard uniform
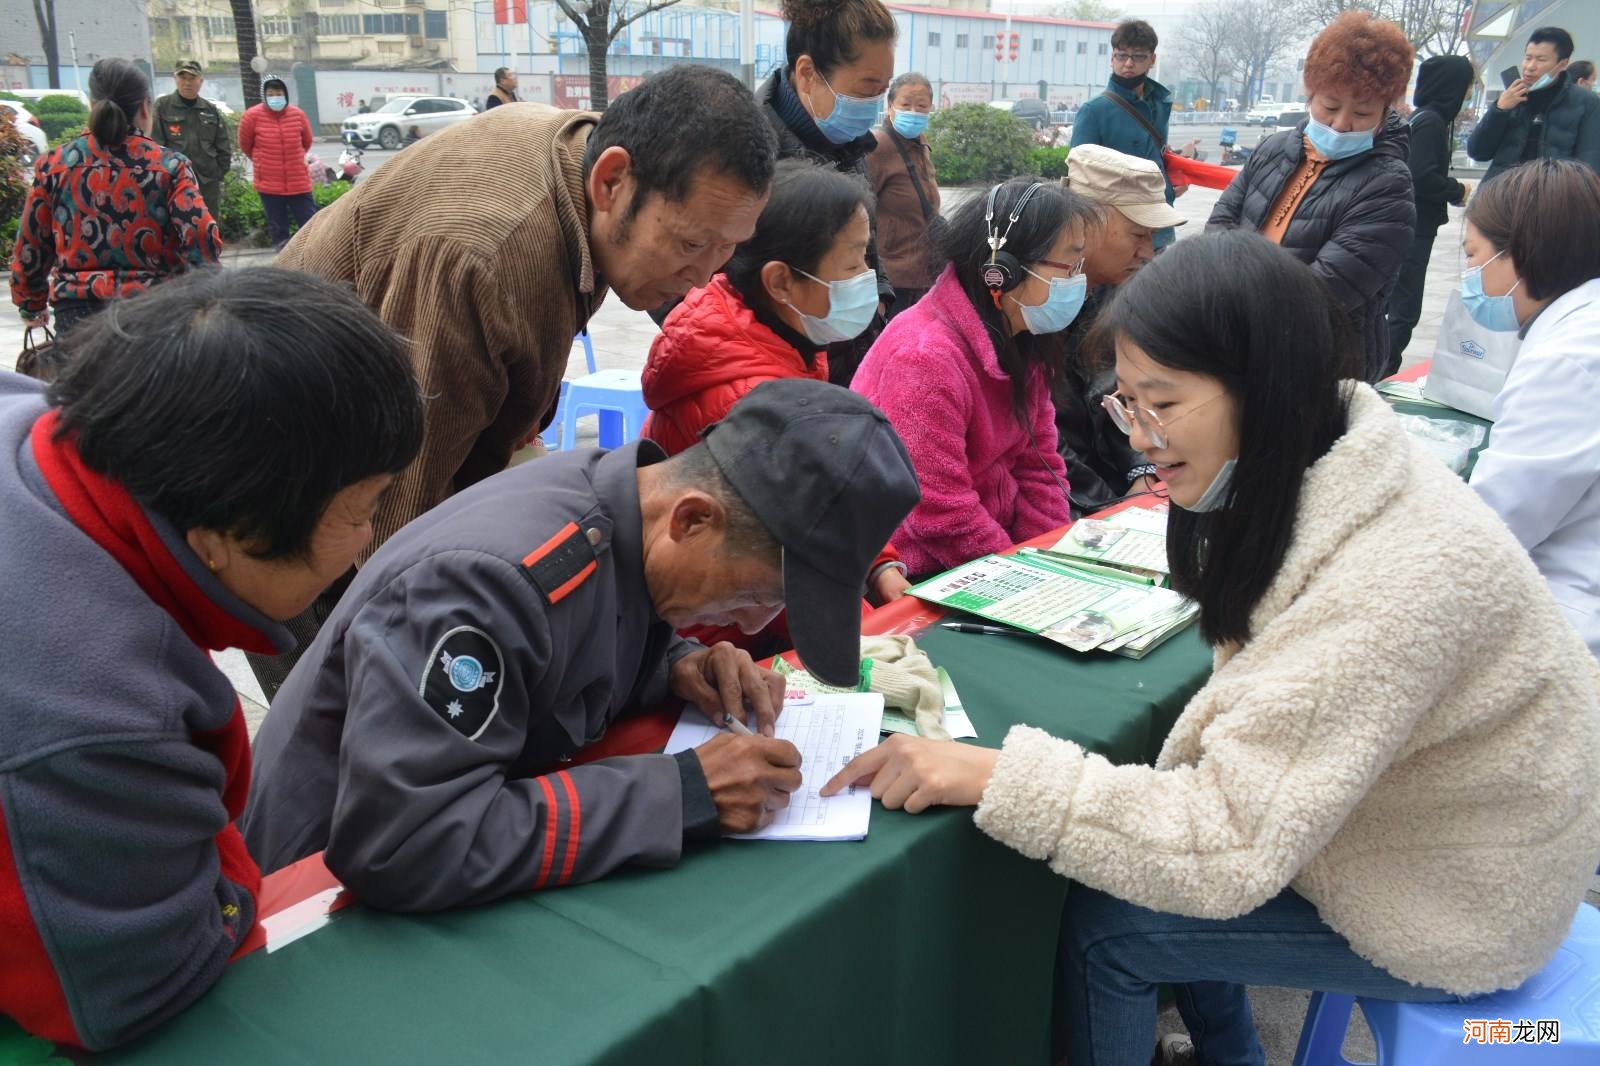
[(422, 740), (197, 129)]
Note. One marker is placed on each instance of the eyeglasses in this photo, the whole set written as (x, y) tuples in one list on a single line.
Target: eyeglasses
[(1071, 268), (1132, 57), (1123, 414)]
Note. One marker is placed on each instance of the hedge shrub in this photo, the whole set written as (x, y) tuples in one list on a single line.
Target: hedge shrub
[(1050, 162), (974, 143), (244, 220)]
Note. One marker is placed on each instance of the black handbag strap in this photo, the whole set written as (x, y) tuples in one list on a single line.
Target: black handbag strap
[(905, 157), (1140, 119)]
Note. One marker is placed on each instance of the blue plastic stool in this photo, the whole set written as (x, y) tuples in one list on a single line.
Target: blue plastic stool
[(607, 418), (606, 391), (1434, 1034)]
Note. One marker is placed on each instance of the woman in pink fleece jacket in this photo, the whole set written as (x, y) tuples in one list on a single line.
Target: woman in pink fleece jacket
[(964, 376)]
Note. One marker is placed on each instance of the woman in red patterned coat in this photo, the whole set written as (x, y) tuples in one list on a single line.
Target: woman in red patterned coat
[(110, 213)]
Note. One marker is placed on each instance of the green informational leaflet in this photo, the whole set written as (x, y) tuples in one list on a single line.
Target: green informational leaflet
[(1048, 596), (1134, 540)]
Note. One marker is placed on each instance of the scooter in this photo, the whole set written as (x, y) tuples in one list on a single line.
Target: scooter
[(349, 164), (1232, 154)]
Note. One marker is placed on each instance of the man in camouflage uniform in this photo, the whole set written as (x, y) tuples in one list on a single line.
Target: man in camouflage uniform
[(187, 122)]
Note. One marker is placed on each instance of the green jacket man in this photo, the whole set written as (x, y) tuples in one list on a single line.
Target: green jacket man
[(187, 122)]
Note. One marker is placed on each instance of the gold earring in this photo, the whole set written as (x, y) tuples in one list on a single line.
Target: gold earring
[(212, 563)]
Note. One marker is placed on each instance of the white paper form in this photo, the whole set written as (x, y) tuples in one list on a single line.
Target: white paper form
[(829, 730)]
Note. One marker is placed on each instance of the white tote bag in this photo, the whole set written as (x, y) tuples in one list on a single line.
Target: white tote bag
[(1470, 363)]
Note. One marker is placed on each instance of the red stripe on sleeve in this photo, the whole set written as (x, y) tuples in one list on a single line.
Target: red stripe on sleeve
[(550, 545), (551, 811), (579, 578), (574, 827)]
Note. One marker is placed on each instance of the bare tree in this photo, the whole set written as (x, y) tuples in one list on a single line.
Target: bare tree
[(1434, 27), (1088, 11), (44, 12), (1261, 33), (1205, 46), (244, 32), (601, 22)]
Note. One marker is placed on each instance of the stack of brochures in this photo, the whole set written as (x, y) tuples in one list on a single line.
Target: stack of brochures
[(1102, 589)]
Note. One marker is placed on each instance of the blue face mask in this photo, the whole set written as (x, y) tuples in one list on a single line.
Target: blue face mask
[(277, 103), (1335, 145), (1060, 306), (851, 305), (910, 124), (1216, 493), (1544, 79), (852, 116), (1497, 313)]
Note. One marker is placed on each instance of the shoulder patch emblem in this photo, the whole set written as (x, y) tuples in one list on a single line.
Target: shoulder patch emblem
[(562, 563), (461, 680)]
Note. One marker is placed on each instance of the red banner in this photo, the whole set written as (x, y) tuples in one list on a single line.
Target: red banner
[(1182, 169), (502, 12), (572, 90)]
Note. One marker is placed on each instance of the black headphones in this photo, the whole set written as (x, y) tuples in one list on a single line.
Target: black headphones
[(1004, 272)]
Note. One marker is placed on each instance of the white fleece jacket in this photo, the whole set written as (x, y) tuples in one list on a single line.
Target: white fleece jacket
[(1410, 740)]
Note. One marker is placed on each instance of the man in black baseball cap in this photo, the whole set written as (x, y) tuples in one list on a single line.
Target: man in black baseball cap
[(476, 670), (827, 476)]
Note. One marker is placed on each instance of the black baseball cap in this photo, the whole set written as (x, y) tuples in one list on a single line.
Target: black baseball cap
[(827, 475)]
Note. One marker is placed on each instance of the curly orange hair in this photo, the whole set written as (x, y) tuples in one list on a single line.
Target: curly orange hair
[(1360, 55)]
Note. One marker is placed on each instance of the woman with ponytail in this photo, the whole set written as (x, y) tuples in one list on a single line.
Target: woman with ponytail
[(110, 213), (823, 104)]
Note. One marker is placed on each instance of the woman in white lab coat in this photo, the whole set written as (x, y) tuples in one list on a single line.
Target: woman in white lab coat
[(1533, 266)]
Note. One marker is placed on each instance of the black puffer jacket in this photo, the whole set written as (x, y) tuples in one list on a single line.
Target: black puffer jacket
[(1353, 226), (1571, 129), (799, 138), (1442, 84)]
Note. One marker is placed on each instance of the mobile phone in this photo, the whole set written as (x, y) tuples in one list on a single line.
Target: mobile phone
[(1509, 75)]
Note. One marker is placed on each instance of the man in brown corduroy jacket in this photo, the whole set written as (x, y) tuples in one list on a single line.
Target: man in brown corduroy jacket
[(490, 245)]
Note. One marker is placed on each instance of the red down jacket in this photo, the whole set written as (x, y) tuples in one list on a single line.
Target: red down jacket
[(277, 143), (710, 353)]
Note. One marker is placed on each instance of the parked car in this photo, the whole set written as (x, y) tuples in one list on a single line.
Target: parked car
[(389, 124), (1289, 120), (30, 129), (1032, 111)]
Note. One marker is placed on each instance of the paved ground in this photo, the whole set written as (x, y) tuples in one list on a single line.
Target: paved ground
[(622, 339)]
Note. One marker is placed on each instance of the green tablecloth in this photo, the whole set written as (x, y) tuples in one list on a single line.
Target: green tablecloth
[(925, 943)]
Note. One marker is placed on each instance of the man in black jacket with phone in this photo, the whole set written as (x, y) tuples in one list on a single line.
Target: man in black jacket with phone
[(1442, 87)]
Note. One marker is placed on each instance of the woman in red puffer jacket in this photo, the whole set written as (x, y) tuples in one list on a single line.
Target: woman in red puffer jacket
[(800, 283), (276, 136)]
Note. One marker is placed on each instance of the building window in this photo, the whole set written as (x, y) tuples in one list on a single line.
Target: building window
[(961, 40), (275, 25), (436, 25), (1061, 47), (1038, 44), (414, 25), (388, 23), (1083, 48), (185, 33), (1104, 49), (335, 25), (219, 27), (988, 41), (933, 40)]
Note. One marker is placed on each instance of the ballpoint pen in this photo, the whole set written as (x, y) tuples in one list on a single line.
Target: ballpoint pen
[(975, 627)]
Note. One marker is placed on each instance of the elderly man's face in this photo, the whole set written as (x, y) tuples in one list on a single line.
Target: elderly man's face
[(650, 250), (694, 576), (188, 85), (1118, 250)]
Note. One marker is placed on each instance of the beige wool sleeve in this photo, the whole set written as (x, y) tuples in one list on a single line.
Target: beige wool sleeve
[(1288, 737)]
